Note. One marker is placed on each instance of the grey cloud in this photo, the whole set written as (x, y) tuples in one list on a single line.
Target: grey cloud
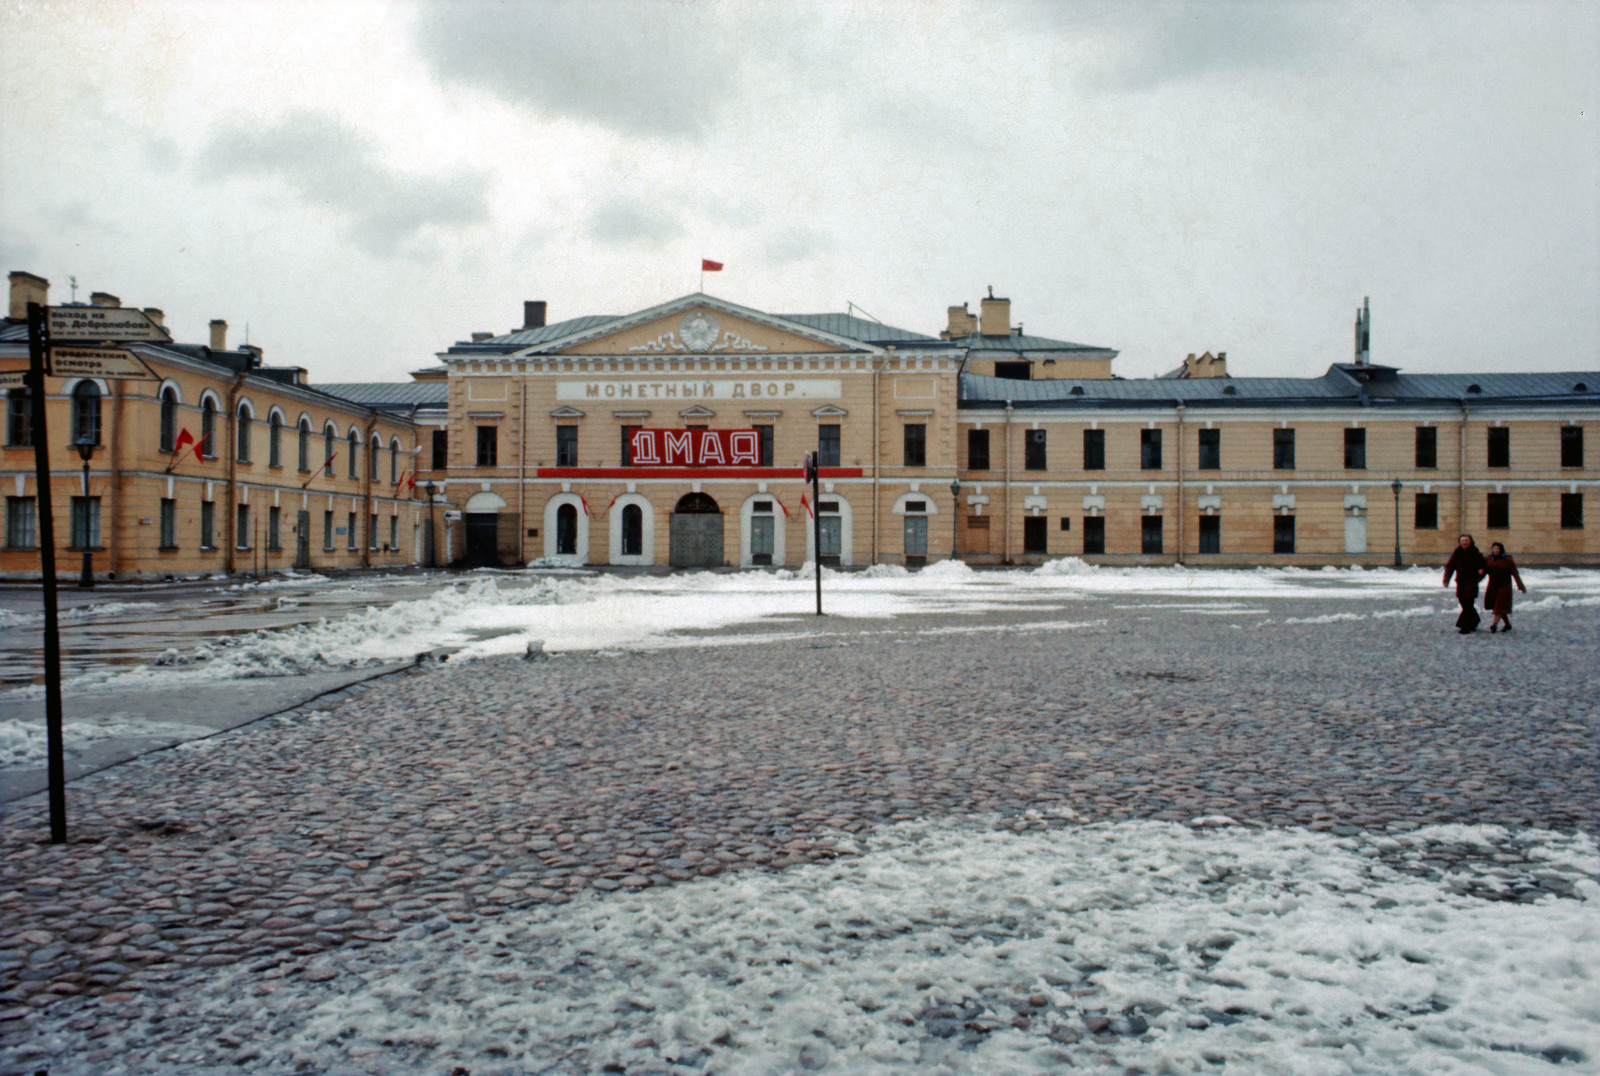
[(1154, 43), (326, 162), (621, 222), (656, 69), (796, 244)]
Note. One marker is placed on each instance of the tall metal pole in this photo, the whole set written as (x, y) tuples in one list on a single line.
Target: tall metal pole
[(37, 343), (816, 522), (86, 579), (1396, 488)]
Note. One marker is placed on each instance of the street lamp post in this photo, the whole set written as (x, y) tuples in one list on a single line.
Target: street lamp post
[(955, 514), (432, 560), (1395, 485), (85, 446)]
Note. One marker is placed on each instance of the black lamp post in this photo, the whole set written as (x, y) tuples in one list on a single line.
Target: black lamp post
[(1395, 485), (955, 514), (431, 560), (86, 446)]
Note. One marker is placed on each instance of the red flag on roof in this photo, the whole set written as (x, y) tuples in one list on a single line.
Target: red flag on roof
[(709, 266)]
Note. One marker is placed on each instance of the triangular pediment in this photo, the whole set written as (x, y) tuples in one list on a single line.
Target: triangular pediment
[(700, 326)]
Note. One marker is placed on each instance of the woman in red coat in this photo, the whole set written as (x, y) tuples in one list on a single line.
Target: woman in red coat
[(1499, 570)]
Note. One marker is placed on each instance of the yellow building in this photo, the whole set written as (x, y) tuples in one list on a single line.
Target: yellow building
[(220, 464), (1008, 447)]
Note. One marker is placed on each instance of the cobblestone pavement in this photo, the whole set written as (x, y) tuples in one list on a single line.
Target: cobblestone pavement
[(453, 793)]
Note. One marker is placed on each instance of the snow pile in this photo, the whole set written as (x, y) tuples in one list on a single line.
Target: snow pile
[(22, 743), (11, 618), (958, 948), (1066, 566)]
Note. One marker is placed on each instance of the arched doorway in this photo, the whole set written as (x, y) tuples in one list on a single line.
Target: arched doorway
[(566, 530), (696, 533), (481, 515)]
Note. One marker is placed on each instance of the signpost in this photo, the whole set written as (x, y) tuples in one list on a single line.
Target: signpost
[(816, 522), (48, 329)]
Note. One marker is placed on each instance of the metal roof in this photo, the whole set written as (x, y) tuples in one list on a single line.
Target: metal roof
[(389, 394), (521, 338), (1335, 387), (1018, 343), (868, 332)]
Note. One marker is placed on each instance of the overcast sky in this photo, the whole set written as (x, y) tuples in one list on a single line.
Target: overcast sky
[(364, 183)]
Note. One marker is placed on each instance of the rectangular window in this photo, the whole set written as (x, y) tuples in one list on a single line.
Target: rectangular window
[(764, 434), (1283, 450), (1066, 523), (1427, 447), (1425, 517), (1499, 446), (1094, 534), (1355, 450), (1150, 534), (1210, 450), (1572, 446), (1094, 450), (627, 445), (916, 444), (1499, 513), (1283, 534), (1013, 371), (1036, 536), (394, 532), (1572, 511), (566, 446), (1211, 534), (828, 445), (86, 523), (916, 536), (488, 445), (1033, 450), (327, 532), (441, 450), (350, 532), (274, 528), (372, 531), (208, 525), (977, 450), (241, 533), (21, 523), (1150, 450), (19, 418)]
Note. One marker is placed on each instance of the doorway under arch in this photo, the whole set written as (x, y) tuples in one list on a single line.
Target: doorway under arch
[(695, 532)]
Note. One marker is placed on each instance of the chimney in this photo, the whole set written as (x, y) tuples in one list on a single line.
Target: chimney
[(994, 315), (478, 338), (255, 354), (27, 288), (219, 335), (1363, 333), (156, 314), (103, 298), (533, 314), (960, 323)]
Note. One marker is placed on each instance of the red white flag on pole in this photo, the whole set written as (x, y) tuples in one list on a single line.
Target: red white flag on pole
[(709, 266)]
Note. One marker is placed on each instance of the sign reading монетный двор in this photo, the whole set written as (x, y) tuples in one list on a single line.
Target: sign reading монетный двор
[(701, 388)]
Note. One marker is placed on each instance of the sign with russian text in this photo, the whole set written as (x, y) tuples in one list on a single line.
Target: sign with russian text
[(94, 324), (701, 388), (13, 379), (108, 362), (695, 448)]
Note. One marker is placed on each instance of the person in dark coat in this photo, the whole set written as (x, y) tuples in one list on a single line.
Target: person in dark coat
[(1466, 564), (1499, 572)]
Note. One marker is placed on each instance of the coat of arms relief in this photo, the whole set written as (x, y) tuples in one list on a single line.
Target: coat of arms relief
[(700, 333)]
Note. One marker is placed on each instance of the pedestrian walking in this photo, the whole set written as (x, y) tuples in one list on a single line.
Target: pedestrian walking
[(1499, 572), (1466, 564)]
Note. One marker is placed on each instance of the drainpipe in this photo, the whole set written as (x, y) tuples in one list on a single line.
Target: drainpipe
[(522, 474), (1005, 548), (372, 532), (113, 499), (1181, 508), (1461, 473), (231, 524)]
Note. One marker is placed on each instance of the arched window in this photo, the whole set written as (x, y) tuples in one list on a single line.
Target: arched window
[(305, 445), (377, 454), (355, 455), (275, 441), (169, 419), (86, 413), (394, 463), (632, 530), (330, 438), (566, 529), (19, 418), (208, 428), (244, 433)]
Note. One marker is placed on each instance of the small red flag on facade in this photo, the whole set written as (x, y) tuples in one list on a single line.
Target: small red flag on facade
[(709, 266), (185, 439)]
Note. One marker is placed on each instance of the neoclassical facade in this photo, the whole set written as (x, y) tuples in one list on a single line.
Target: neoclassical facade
[(1000, 446), (220, 464)]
